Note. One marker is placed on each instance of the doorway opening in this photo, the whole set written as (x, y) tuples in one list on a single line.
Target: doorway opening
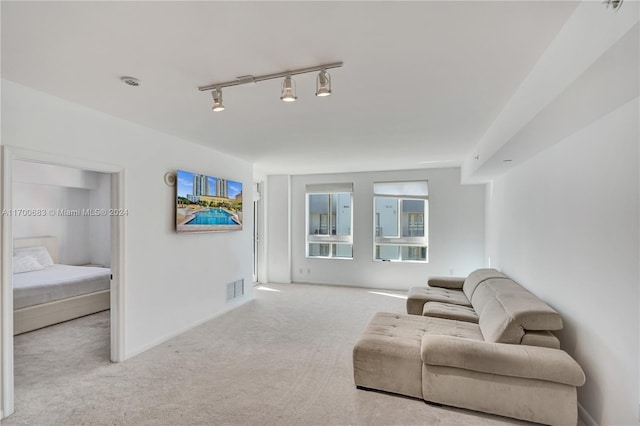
[(256, 231), (64, 211)]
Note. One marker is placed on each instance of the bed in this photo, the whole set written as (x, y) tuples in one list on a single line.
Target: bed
[(46, 293)]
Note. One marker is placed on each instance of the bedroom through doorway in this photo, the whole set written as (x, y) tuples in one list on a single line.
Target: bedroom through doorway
[(64, 276), (61, 274)]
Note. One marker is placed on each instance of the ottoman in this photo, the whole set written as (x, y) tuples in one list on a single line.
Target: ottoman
[(387, 357)]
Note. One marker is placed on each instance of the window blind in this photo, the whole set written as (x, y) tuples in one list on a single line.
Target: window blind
[(418, 188), (324, 188)]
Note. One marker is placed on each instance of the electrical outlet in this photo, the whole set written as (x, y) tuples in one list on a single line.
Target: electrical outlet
[(308, 271)]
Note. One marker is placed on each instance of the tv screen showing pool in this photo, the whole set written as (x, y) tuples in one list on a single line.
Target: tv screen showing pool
[(207, 203)]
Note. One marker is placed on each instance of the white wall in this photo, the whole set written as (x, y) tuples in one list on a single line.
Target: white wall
[(100, 226), (456, 231), (47, 188), (48, 174), (278, 244), (173, 282), (565, 225), (72, 232)]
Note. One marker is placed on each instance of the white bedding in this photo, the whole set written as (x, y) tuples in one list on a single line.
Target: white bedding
[(58, 282)]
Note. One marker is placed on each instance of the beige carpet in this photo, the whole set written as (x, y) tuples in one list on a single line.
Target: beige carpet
[(283, 359)]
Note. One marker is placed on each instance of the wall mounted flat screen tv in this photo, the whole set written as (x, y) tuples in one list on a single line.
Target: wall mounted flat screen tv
[(207, 203)]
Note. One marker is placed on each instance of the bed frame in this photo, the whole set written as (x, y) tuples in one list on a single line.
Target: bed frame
[(33, 317)]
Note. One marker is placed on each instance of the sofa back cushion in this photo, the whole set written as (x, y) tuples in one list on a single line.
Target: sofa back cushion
[(477, 277), (507, 316), (487, 290), (540, 338)]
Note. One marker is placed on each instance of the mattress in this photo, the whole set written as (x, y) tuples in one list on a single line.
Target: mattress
[(58, 282)]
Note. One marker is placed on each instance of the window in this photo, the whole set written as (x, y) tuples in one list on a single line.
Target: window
[(400, 212), (329, 221)]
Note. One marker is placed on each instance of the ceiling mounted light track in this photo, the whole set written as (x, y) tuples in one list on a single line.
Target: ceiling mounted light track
[(288, 89)]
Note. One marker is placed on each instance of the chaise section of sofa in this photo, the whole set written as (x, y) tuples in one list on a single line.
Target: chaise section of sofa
[(388, 355), (497, 355)]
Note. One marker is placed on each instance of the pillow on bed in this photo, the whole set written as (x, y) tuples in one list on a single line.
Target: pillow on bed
[(25, 264), (41, 255)]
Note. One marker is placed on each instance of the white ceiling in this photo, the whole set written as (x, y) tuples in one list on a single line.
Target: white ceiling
[(421, 83)]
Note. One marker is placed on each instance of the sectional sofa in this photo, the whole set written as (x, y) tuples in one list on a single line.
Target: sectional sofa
[(482, 342)]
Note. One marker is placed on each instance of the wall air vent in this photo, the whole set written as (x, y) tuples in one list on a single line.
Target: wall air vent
[(235, 289)]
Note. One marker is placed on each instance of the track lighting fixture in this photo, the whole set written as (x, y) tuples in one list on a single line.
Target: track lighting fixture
[(217, 100), (323, 83), (288, 88)]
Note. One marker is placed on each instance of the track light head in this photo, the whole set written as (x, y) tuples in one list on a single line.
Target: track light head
[(323, 83), (217, 100), (288, 90)]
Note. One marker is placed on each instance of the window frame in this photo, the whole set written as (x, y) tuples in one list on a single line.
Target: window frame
[(329, 239), (399, 240)]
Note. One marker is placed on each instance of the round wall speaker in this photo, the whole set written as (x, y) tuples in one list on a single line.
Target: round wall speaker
[(170, 179)]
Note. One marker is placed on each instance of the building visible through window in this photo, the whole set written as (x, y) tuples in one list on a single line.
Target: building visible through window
[(400, 221), (329, 221)]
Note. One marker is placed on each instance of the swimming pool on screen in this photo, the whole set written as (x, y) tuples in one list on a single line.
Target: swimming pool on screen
[(213, 216)]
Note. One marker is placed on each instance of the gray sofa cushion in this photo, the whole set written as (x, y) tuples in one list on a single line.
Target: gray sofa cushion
[(454, 283), (418, 296), (542, 338), (506, 360), (450, 311), (453, 328), (505, 318), (533, 400), (387, 356), (487, 290), (497, 326), (477, 277), (531, 312), (457, 291)]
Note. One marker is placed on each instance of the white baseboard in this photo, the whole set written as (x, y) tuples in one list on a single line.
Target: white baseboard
[(585, 416)]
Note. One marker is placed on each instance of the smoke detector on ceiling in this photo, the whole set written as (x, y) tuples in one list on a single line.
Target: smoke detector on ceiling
[(615, 4), (131, 81)]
